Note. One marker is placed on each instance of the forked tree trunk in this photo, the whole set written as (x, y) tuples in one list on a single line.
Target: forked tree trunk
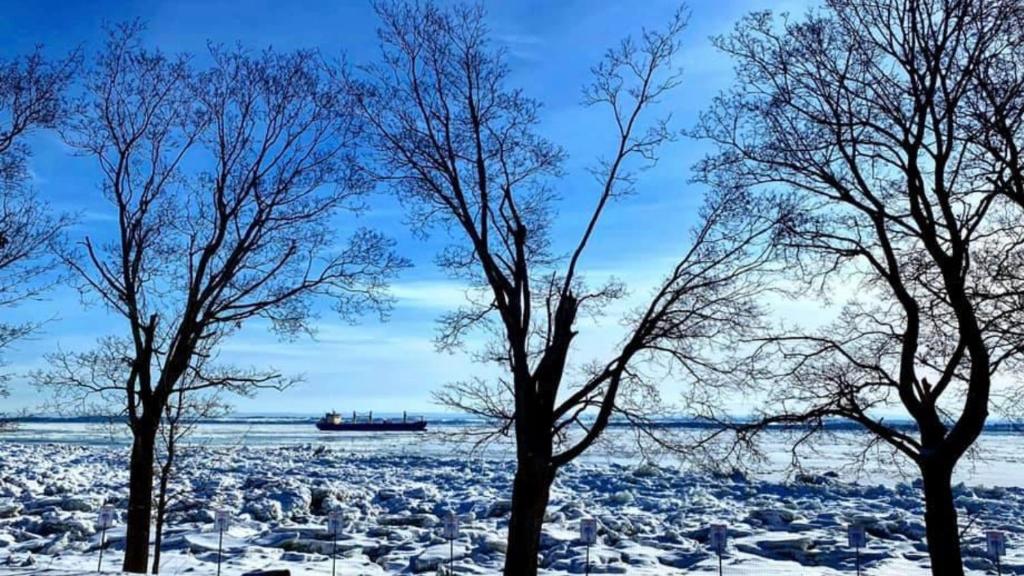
[(140, 498), (530, 493), (940, 519)]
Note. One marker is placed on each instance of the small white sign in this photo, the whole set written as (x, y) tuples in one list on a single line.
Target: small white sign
[(334, 521), (996, 541), (450, 526), (856, 536), (718, 535), (106, 517), (588, 531), (222, 520)]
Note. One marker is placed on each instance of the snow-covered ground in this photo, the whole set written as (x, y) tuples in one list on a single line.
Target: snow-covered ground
[(652, 519)]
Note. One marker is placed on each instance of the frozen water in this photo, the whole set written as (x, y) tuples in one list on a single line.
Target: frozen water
[(393, 491)]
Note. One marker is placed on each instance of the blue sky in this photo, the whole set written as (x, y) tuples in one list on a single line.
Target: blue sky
[(393, 366)]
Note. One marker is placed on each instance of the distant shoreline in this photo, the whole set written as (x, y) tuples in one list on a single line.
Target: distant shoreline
[(453, 420)]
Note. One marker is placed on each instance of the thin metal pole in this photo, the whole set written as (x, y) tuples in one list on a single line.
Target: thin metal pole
[(588, 559), (858, 560), (451, 556), (999, 566), (103, 542), (220, 547), (334, 552), (719, 563)]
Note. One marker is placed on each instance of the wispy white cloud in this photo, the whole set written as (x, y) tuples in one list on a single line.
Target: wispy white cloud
[(520, 45), (432, 294)]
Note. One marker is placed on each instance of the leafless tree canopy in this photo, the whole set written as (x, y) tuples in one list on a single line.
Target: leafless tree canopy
[(31, 97), (889, 131), (901, 196), (228, 184), (462, 148)]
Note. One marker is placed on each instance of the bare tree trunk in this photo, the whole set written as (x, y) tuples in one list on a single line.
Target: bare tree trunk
[(941, 526), (530, 493), (140, 498)]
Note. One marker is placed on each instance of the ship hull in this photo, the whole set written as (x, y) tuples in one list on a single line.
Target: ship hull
[(372, 426)]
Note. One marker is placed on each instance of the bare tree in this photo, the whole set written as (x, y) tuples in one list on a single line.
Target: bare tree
[(92, 384), (862, 120), (31, 97), (227, 184), (461, 148), (182, 415)]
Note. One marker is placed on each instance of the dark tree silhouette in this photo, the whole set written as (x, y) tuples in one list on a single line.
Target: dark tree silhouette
[(227, 185), (889, 130), (31, 97), (92, 383), (461, 148)]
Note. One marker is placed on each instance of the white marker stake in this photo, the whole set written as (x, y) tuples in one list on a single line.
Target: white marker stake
[(588, 534), (451, 532), (222, 521), (333, 526), (718, 535), (857, 539), (104, 520), (996, 541)]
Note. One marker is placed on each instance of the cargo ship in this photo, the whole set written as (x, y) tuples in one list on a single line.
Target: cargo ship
[(333, 422)]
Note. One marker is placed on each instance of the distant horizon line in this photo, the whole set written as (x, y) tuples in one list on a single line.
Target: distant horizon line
[(456, 418)]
